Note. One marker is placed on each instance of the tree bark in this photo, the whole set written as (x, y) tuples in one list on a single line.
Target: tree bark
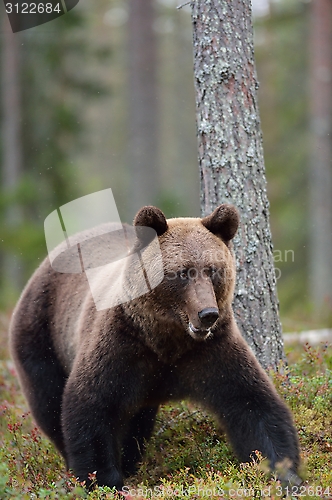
[(143, 105), (320, 178), (231, 161)]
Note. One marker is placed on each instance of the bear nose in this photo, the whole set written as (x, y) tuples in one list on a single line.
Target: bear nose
[(208, 316)]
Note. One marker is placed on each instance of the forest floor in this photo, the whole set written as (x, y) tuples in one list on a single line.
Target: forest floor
[(187, 457)]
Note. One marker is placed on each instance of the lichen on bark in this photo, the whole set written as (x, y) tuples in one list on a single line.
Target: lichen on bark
[(231, 162)]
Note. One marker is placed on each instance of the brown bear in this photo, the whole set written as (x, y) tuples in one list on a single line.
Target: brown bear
[(94, 379)]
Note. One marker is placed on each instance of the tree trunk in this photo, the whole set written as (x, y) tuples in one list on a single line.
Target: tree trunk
[(320, 185), (231, 161), (143, 113), (12, 150)]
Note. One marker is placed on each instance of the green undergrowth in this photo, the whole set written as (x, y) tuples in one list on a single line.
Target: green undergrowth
[(187, 457)]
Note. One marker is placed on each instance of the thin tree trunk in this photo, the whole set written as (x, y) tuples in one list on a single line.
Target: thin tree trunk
[(143, 105), (320, 184), (12, 154), (231, 161)]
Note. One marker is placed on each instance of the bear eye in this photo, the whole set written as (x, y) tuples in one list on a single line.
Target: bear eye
[(183, 274), (213, 272)]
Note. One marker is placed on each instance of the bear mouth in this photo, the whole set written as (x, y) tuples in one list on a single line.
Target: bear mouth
[(198, 333)]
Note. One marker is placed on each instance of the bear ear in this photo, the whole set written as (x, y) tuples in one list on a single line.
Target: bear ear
[(223, 222), (151, 217)]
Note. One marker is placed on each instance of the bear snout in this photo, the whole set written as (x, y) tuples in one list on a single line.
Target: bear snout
[(208, 316)]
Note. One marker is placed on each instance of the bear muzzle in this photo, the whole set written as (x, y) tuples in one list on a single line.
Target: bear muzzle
[(207, 318), (198, 334)]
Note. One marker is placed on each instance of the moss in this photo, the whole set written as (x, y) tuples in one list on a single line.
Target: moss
[(187, 457)]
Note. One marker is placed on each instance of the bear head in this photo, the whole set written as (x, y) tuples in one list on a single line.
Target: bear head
[(199, 269)]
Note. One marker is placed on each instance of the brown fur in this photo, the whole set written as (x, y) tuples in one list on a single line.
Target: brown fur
[(94, 379)]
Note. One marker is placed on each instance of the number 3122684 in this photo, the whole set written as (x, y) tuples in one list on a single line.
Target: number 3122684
[(32, 8)]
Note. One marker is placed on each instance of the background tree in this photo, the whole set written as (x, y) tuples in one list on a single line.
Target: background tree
[(281, 41), (42, 113), (74, 144), (12, 148), (320, 181), (281, 49), (142, 104), (231, 161)]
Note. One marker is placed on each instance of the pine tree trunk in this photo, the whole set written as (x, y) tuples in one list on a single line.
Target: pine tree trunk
[(320, 185), (142, 103), (231, 161)]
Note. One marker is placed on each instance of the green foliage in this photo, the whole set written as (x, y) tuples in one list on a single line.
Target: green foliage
[(55, 87), (282, 64), (187, 457)]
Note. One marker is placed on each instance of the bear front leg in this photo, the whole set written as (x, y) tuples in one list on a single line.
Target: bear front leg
[(138, 433), (92, 429), (254, 422), (239, 392)]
